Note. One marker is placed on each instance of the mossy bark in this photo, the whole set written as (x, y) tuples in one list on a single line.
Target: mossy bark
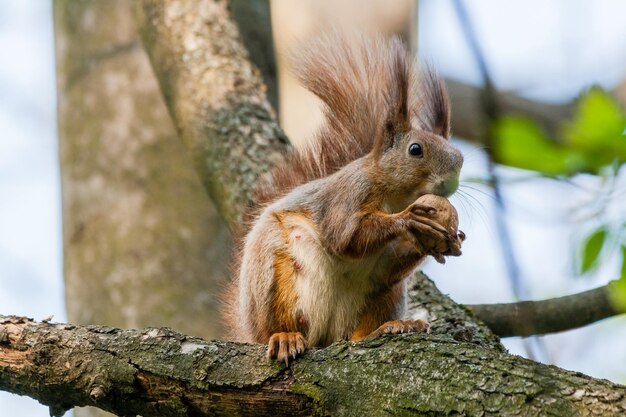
[(215, 95), (158, 372)]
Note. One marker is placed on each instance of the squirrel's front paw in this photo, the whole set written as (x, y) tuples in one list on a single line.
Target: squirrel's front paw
[(454, 244), (446, 216), (451, 247), (401, 326), (422, 229), (286, 344)]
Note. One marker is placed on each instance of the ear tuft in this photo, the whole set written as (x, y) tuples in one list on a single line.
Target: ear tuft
[(398, 74), (432, 112)]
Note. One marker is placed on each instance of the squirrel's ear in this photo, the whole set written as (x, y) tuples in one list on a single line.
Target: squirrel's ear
[(397, 120), (433, 111)]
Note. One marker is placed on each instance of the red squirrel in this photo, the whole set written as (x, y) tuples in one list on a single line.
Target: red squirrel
[(338, 229)]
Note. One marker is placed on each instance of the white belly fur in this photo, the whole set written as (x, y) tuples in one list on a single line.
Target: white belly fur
[(331, 291)]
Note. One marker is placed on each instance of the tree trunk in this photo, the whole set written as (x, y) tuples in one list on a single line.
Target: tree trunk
[(143, 244), (216, 97)]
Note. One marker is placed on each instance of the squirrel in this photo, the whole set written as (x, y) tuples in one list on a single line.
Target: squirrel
[(340, 226)]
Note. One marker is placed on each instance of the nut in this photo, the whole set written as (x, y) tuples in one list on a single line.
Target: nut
[(445, 214)]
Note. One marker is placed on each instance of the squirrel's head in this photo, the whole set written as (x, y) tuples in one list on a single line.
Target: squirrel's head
[(418, 162), (413, 154)]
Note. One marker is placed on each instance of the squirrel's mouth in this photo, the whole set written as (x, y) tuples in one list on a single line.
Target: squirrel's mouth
[(447, 187)]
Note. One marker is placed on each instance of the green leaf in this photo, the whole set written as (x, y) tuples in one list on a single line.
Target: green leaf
[(593, 139), (617, 294), (597, 128), (623, 271), (592, 247), (519, 142), (617, 289)]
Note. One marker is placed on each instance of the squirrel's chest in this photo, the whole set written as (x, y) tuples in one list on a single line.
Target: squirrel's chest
[(331, 292)]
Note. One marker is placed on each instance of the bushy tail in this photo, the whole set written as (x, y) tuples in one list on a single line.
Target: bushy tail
[(361, 79)]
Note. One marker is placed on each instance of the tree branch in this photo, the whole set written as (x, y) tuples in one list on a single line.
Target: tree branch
[(255, 26), (468, 118), (447, 317), (215, 96), (156, 372), (217, 103), (527, 318), (468, 121)]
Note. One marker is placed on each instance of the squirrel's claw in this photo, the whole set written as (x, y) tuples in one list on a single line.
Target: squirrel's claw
[(455, 244), (284, 345), (418, 222), (439, 258)]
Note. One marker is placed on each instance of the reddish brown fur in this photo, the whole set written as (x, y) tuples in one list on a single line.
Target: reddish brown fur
[(376, 229), (371, 93), (285, 269), (285, 292)]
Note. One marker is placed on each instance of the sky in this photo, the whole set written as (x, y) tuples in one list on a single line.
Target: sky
[(30, 215), (543, 50)]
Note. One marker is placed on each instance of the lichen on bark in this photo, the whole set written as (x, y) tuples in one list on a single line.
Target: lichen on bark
[(215, 96), (156, 372)]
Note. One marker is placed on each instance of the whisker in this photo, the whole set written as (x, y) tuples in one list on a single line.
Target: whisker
[(478, 190), (460, 198), (477, 206), (475, 151)]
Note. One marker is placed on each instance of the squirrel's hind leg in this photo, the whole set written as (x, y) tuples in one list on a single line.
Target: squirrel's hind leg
[(382, 307), (284, 345), (401, 326)]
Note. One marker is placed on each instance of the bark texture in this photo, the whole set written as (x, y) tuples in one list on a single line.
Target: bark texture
[(215, 96), (157, 372), (143, 244), (447, 317)]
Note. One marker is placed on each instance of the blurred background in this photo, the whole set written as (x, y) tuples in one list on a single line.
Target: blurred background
[(546, 220)]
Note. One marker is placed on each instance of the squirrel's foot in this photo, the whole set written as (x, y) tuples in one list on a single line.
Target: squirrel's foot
[(401, 326), (422, 209), (429, 237), (419, 219), (284, 345)]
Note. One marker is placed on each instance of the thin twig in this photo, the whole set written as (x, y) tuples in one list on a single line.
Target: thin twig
[(528, 318), (491, 112)]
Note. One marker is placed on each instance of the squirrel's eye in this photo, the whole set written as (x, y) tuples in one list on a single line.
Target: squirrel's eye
[(416, 150)]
